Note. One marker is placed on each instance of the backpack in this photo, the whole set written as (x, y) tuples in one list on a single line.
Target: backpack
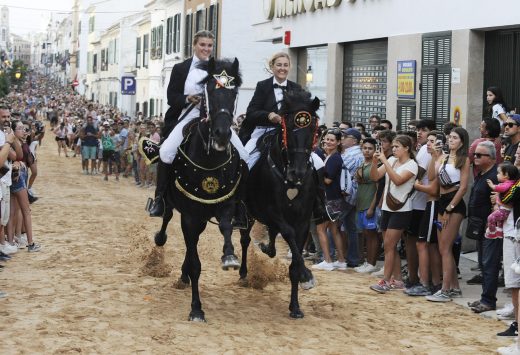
[(348, 186)]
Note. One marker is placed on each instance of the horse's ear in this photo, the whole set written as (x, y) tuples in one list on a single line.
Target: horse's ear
[(315, 104), (211, 65), (235, 65)]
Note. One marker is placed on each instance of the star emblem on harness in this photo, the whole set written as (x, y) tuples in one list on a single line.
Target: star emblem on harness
[(224, 80)]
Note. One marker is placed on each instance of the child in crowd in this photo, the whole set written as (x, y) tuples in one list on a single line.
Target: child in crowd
[(507, 176)]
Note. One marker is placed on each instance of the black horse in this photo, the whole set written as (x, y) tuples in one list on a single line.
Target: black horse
[(282, 187), (207, 171)]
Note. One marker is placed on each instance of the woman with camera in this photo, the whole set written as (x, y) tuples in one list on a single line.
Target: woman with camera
[(400, 172)]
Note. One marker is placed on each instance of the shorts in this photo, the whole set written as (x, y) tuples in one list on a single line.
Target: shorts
[(5, 204), (444, 202), (511, 250), (20, 183), (427, 226), (395, 220), (88, 152), (59, 139), (108, 155), (415, 223)]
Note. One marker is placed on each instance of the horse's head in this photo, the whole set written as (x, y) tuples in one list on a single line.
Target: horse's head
[(221, 90), (299, 130)]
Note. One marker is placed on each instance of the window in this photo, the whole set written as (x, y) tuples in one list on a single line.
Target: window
[(116, 56), (159, 42), (146, 39), (77, 59), (91, 23), (213, 24), (169, 35), (200, 22), (104, 59), (177, 33), (152, 107), (138, 53), (145, 109), (136, 108), (436, 78), (153, 43), (94, 63), (189, 35)]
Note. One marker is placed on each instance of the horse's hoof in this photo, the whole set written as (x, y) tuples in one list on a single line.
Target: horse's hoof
[(181, 284), (296, 314), (230, 262), (160, 239), (197, 317), (242, 282), (308, 284), (267, 250)]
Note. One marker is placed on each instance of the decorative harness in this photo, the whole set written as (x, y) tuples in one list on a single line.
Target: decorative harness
[(208, 185), (302, 119)]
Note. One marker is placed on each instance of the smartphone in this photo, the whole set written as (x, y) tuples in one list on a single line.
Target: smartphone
[(378, 146), (439, 143)]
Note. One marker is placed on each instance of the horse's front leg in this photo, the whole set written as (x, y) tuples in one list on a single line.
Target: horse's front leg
[(270, 249), (192, 228), (229, 259), (245, 240), (161, 236)]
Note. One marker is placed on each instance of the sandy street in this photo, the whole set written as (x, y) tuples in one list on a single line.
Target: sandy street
[(90, 290)]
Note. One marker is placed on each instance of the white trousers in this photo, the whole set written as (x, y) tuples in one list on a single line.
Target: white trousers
[(254, 154), (170, 146)]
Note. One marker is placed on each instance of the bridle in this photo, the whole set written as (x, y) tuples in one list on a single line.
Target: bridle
[(288, 151), (221, 111)]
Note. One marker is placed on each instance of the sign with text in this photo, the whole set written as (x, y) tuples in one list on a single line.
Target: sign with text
[(128, 85), (406, 71)]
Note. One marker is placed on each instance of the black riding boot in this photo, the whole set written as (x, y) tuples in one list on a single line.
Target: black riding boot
[(240, 219), (164, 176), (319, 212)]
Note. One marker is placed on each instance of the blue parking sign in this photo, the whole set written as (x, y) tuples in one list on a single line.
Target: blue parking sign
[(128, 85)]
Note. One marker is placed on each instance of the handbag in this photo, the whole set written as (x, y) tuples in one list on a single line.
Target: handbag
[(392, 202), (336, 209), (367, 223), (475, 228)]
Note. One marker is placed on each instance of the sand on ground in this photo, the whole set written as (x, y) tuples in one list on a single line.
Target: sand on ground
[(99, 286)]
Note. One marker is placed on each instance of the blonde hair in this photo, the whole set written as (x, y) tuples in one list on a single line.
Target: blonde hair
[(276, 56), (202, 34)]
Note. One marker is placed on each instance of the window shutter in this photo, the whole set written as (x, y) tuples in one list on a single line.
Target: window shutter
[(159, 42), (443, 96), (428, 50), (405, 113), (443, 51), (428, 93)]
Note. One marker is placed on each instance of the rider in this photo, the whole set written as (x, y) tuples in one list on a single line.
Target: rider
[(262, 115), (184, 96)]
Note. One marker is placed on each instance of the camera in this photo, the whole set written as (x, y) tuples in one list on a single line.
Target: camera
[(378, 146)]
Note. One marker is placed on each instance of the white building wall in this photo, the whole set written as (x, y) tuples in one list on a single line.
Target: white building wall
[(238, 41)]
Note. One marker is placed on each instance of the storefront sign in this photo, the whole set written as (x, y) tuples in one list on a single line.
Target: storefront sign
[(406, 79), (283, 8)]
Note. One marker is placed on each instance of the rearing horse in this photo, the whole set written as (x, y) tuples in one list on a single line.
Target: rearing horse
[(208, 171), (281, 187)]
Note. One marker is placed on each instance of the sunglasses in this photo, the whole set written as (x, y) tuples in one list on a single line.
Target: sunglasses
[(511, 124), (480, 155)]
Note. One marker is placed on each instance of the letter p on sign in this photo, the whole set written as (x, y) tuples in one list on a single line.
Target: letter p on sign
[(128, 85)]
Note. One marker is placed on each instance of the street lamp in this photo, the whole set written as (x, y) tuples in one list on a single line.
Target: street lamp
[(308, 76)]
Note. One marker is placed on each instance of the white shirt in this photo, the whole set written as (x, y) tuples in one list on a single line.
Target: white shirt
[(498, 109), (278, 93), (6, 179), (423, 159), (192, 87), (400, 192)]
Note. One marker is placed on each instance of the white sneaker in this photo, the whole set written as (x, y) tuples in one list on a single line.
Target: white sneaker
[(508, 307), (324, 266), (8, 248), (379, 273), (510, 350), (21, 241), (365, 268), (338, 265)]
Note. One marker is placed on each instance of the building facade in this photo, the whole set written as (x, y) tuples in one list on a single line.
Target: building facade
[(385, 57)]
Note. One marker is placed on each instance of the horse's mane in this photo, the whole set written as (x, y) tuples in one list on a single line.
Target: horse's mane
[(296, 99), (219, 66)]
